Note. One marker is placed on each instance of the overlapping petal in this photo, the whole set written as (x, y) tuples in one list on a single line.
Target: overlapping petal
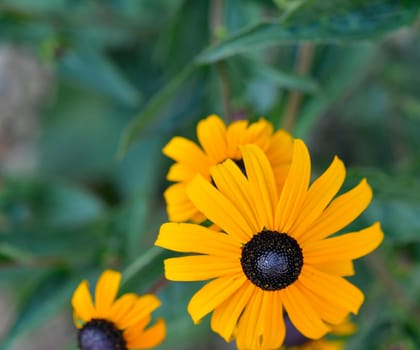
[(217, 143)]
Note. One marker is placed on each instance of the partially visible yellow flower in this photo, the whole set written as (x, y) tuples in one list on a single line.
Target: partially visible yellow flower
[(218, 142), (112, 323), (273, 254)]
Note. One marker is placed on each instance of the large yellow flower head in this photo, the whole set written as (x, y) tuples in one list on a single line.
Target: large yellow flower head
[(219, 142), (274, 253), (115, 324)]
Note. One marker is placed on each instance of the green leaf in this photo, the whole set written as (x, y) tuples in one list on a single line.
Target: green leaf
[(91, 67), (152, 108), (286, 80), (346, 67), (334, 21), (68, 206)]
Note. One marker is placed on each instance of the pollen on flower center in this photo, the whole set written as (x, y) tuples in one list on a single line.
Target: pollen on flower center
[(272, 260), (99, 334)]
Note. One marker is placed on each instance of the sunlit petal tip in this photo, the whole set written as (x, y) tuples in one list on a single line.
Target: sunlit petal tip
[(367, 189)]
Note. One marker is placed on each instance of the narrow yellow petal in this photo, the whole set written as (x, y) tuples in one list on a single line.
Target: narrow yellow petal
[(106, 292), (281, 147), (338, 268), (328, 311), (211, 133), (120, 310), (333, 288), (232, 183), (200, 267), (301, 313), (219, 209), (262, 184), (342, 211), (178, 205), (295, 188), (187, 153), (345, 247), (180, 172), (319, 195), (259, 133), (142, 308), (82, 303), (236, 136), (213, 294), (192, 238), (279, 154), (272, 317), (138, 338), (250, 327), (225, 317)]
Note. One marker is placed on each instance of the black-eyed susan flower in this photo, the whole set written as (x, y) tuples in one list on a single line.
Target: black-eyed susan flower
[(112, 323), (274, 253), (218, 142)]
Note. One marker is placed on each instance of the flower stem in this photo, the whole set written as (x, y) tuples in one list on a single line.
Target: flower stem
[(303, 65), (216, 19)]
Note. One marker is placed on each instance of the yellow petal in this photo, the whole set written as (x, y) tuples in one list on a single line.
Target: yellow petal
[(232, 183), (342, 211), (279, 154), (295, 188), (200, 267), (301, 313), (121, 309), (274, 330), (211, 133), (260, 133), (180, 172), (329, 312), (138, 338), (338, 268), (250, 327), (106, 291), (187, 153), (191, 238), (225, 317), (319, 195), (333, 288), (179, 207), (82, 303), (219, 209), (236, 136), (281, 147), (214, 293), (262, 185), (345, 247), (142, 308)]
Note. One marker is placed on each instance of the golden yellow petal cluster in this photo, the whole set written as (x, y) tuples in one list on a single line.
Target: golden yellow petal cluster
[(216, 143), (130, 314)]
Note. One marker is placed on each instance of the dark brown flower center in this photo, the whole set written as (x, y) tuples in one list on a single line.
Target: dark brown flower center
[(99, 334), (272, 260)]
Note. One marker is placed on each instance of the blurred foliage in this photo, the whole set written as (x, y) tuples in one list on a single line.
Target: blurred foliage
[(130, 74)]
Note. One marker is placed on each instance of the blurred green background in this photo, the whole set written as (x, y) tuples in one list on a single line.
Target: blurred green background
[(90, 92)]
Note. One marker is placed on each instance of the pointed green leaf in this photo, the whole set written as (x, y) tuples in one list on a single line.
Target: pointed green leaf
[(334, 21), (150, 111)]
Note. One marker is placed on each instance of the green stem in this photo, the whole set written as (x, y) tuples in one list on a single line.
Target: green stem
[(140, 263)]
